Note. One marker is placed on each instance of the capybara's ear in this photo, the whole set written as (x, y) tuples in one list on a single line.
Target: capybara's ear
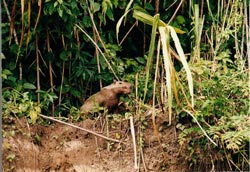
[(114, 81)]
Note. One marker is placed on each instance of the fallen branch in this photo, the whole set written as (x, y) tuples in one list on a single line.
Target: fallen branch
[(80, 128)]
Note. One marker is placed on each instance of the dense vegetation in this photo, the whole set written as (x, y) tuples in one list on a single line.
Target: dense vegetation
[(191, 58)]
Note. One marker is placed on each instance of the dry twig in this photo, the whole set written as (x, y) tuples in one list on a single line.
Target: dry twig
[(80, 128)]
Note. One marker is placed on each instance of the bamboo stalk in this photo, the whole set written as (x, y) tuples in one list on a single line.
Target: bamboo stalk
[(247, 21), (12, 29), (29, 16), (39, 13), (50, 73), (37, 71), (97, 57), (10, 20), (62, 81), (63, 69), (157, 4), (51, 87)]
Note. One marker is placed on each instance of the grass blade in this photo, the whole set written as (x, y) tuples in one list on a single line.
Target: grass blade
[(184, 62), (127, 10), (164, 36)]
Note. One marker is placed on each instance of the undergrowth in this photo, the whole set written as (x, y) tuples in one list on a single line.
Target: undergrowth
[(222, 108)]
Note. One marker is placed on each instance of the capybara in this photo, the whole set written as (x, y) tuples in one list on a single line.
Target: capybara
[(107, 97)]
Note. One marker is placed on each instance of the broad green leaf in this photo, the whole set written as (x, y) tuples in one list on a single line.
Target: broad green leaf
[(29, 86)]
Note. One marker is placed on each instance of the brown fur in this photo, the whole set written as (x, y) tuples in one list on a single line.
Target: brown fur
[(108, 97)]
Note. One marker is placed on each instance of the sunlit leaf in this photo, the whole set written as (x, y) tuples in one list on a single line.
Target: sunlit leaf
[(164, 36), (183, 61), (33, 116), (148, 19)]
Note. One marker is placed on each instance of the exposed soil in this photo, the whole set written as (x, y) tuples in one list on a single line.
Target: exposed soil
[(57, 147)]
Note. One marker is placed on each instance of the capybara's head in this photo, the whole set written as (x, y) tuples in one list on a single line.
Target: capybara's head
[(121, 87)]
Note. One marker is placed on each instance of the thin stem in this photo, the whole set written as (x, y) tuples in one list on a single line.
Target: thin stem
[(97, 57), (9, 17), (173, 16), (37, 71), (128, 33), (104, 57), (50, 72), (200, 126), (63, 69)]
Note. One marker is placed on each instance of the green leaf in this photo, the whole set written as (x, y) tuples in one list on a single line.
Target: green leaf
[(60, 1), (180, 19), (6, 72), (86, 21), (148, 19), (33, 116), (2, 56), (29, 86), (104, 6), (94, 6), (60, 12), (148, 6), (64, 55), (109, 13), (141, 60), (75, 93), (55, 4)]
